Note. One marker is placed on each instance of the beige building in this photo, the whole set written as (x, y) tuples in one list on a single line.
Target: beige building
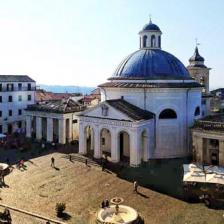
[(53, 121), (208, 140)]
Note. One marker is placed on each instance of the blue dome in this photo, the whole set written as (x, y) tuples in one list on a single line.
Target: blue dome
[(151, 26), (151, 64)]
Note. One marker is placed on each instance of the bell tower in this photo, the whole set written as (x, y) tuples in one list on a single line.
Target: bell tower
[(200, 72)]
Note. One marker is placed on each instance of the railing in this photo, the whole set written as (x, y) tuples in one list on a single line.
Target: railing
[(209, 125)]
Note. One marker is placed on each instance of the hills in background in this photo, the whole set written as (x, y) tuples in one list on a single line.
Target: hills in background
[(66, 89)]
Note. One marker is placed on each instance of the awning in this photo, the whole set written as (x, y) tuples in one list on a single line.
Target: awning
[(208, 174)]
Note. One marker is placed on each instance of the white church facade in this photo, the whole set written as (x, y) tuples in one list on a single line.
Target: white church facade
[(147, 108)]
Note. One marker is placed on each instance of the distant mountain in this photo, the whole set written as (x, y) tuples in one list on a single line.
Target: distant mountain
[(66, 89)]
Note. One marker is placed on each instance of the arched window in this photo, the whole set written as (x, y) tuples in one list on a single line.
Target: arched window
[(144, 40), (168, 114), (159, 41), (153, 42), (197, 111)]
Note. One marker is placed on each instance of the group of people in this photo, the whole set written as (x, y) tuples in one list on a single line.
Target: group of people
[(105, 204)]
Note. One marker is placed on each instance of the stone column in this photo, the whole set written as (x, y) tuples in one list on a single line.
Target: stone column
[(38, 128), (70, 132), (97, 140), (61, 126), (135, 158), (221, 152), (92, 139), (82, 140), (115, 154), (199, 149), (28, 126), (50, 129)]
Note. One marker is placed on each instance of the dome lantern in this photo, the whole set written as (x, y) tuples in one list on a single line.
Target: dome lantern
[(150, 36)]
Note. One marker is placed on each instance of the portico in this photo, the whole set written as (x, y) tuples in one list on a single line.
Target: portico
[(119, 129), (53, 121)]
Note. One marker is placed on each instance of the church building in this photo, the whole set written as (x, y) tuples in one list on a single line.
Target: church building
[(148, 106)]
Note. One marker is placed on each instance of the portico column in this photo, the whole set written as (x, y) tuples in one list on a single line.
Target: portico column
[(28, 126), (82, 140), (115, 155), (38, 128), (50, 129), (92, 139), (199, 149), (97, 150), (135, 158), (70, 130), (61, 131)]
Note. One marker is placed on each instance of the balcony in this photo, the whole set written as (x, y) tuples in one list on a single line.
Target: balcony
[(209, 125)]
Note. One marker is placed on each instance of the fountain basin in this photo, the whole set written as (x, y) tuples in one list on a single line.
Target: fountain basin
[(126, 215)]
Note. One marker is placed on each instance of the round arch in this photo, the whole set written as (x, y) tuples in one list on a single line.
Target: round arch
[(105, 141), (124, 145), (89, 138), (168, 114)]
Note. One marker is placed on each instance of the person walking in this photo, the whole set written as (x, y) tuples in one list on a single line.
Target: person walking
[(135, 186), (52, 162), (86, 162)]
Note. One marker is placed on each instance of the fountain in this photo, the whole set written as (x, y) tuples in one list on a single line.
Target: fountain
[(117, 213)]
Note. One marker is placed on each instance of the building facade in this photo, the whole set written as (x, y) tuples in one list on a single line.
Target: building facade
[(149, 81), (53, 121), (208, 140), (16, 93)]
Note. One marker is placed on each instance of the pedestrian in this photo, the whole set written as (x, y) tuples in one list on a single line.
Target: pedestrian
[(103, 204), (135, 186), (103, 165), (107, 203), (70, 158), (86, 162), (52, 161)]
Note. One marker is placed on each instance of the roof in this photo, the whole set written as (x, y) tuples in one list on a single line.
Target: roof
[(42, 95), (15, 78), (57, 106), (196, 60), (151, 64), (150, 85), (130, 110), (151, 27), (196, 56)]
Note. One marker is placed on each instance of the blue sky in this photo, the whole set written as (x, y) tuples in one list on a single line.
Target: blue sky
[(80, 42)]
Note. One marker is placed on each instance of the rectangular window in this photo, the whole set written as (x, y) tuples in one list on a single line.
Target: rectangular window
[(19, 86), (10, 112), (29, 97), (1, 87), (20, 98), (29, 86), (75, 121), (0, 99), (1, 129), (0, 113), (19, 112), (10, 87), (10, 99), (19, 124)]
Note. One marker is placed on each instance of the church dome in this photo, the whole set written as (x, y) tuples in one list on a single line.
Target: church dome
[(149, 63), (151, 27)]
